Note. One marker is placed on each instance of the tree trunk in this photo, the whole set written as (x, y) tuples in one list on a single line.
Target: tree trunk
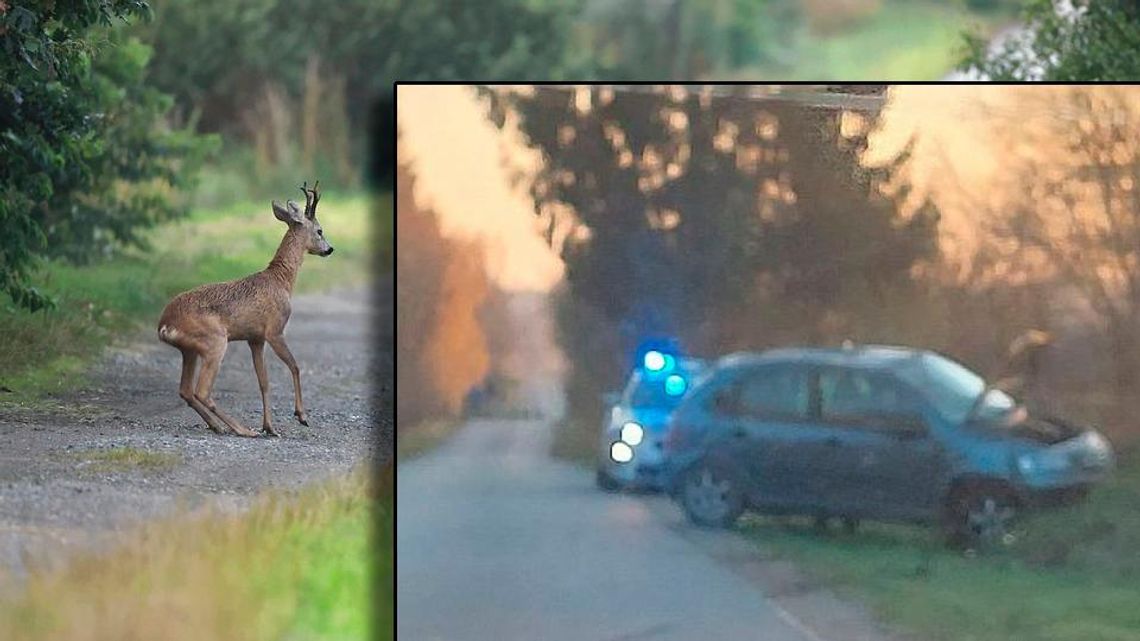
[(339, 145), (310, 111)]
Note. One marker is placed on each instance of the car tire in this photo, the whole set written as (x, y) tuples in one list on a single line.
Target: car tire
[(605, 482), (981, 517), (710, 497)]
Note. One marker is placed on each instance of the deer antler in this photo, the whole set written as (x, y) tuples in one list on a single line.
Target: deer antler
[(312, 197)]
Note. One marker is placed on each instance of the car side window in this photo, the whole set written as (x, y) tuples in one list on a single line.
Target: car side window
[(769, 393), (865, 398)]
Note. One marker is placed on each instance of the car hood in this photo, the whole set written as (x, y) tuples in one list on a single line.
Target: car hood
[(1045, 430)]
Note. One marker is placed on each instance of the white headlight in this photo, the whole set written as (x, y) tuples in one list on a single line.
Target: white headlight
[(632, 433), (1025, 464), (621, 452)]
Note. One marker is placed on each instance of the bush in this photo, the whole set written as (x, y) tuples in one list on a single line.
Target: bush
[(87, 159)]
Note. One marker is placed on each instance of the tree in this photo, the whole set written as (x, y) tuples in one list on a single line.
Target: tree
[(243, 67), (686, 215), (667, 206), (1072, 205), (682, 39), (87, 161), (442, 352), (1065, 41)]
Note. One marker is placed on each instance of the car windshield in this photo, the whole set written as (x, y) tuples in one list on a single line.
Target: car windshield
[(952, 388)]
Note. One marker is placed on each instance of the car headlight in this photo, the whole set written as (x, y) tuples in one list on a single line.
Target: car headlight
[(621, 452), (1026, 464), (1047, 461), (632, 433)]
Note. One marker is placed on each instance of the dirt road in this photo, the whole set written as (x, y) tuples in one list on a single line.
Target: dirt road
[(57, 491), (497, 540)]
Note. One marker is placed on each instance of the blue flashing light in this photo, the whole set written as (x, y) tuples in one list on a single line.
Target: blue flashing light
[(675, 385), (654, 360)]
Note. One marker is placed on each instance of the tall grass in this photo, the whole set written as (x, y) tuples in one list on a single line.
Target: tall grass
[(294, 566)]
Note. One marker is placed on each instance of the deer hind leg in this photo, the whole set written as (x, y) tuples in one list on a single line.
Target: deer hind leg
[(211, 362), (186, 391), (257, 349), (282, 351)]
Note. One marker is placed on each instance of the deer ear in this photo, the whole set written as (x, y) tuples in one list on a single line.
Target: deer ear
[(289, 213)]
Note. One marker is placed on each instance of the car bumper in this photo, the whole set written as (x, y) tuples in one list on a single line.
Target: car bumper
[(1063, 488), (646, 470)]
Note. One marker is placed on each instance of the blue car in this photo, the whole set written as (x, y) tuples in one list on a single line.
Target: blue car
[(631, 441), (872, 432)]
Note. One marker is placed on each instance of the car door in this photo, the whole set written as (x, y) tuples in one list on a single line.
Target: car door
[(885, 461), (769, 413)]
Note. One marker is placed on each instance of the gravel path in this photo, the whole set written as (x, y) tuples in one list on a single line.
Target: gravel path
[(56, 495)]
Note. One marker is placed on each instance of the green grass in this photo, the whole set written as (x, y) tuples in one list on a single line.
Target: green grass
[(98, 304), (295, 566), (904, 40), (125, 459), (1074, 575)]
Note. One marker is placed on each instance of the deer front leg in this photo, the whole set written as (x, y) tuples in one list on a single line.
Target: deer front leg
[(257, 349), (282, 351), (212, 361)]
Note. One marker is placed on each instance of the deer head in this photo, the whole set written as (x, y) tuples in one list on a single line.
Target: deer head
[(305, 221)]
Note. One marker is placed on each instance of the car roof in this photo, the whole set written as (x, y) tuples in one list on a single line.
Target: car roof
[(859, 356)]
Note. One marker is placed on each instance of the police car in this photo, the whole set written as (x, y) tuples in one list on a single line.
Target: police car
[(631, 452)]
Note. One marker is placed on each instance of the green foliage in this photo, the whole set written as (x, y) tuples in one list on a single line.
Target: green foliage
[(1095, 41), (213, 56), (683, 39), (86, 161)]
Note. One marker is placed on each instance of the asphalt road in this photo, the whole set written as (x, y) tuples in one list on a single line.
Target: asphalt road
[(497, 541)]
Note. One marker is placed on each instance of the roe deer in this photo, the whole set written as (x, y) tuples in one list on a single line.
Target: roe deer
[(202, 321)]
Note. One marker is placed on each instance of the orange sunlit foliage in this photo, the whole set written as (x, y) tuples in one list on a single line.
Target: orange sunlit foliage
[(456, 349), (441, 353)]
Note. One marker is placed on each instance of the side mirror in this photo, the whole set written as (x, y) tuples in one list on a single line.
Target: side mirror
[(609, 399)]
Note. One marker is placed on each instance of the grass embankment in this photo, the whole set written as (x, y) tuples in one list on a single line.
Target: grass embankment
[(45, 352), (901, 40), (295, 566), (1075, 574)]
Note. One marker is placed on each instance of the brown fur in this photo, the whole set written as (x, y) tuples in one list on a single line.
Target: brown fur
[(203, 321)]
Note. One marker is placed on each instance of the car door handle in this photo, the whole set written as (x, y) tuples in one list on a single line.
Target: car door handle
[(739, 432), (832, 441)]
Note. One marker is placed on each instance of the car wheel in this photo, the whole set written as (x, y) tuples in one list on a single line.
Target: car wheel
[(605, 482), (711, 498), (983, 518)]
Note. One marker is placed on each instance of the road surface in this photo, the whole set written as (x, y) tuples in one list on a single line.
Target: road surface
[(497, 541)]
